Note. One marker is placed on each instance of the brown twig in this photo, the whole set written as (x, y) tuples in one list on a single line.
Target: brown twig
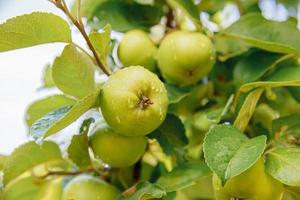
[(64, 173), (61, 4)]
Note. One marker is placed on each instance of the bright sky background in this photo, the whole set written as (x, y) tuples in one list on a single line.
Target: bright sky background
[(20, 75), (21, 71)]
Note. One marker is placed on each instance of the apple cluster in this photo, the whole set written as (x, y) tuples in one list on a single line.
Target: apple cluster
[(134, 100)]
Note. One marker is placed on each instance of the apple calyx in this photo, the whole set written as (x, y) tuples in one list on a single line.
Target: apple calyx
[(145, 102)]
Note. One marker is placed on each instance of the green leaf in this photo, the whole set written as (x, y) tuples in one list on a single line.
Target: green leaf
[(124, 16), (101, 42), (171, 135), (183, 176), (145, 2), (211, 5), (284, 165), (286, 73), (78, 150), (41, 107), (146, 191), (282, 37), (288, 124), (187, 6), (28, 156), (26, 189), (228, 47), (175, 94), (3, 160), (267, 84), (254, 66), (245, 113), (60, 118), (33, 29), (251, 150), (225, 149), (47, 78), (73, 72)]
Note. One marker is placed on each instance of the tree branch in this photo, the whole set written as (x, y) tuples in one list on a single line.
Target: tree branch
[(61, 4)]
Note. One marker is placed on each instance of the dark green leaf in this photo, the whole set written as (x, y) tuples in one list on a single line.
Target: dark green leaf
[(175, 94), (171, 135), (183, 176), (228, 47), (124, 16), (288, 124), (28, 156), (253, 67), (282, 37)]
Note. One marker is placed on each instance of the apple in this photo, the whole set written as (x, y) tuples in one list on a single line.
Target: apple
[(52, 190), (184, 58), (137, 48), (254, 184), (117, 150), (86, 187), (134, 101), (202, 189)]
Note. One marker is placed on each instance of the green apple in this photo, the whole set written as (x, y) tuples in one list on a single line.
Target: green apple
[(136, 48), (117, 150), (203, 189), (184, 58), (253, 184), (86, 187), (52, 190), (134, 101)]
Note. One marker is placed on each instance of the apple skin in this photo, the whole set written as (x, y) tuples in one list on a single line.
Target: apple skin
[(184, 58), (136, 48), (117, 150), (86, 187), (51, 190), (134, 101), (253, 184)]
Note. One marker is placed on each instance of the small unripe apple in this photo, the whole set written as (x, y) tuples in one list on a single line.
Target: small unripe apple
[(86, 187), (184, 58), (137, 48), (134, 101), (117, 150), (254, 183)]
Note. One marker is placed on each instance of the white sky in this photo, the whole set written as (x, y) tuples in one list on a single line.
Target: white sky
[(20, 75)]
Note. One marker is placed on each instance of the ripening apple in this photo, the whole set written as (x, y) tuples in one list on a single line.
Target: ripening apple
[(117, 150), (184, 58), (86, 187), (253, 184), (137, 48), (134, 101)]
